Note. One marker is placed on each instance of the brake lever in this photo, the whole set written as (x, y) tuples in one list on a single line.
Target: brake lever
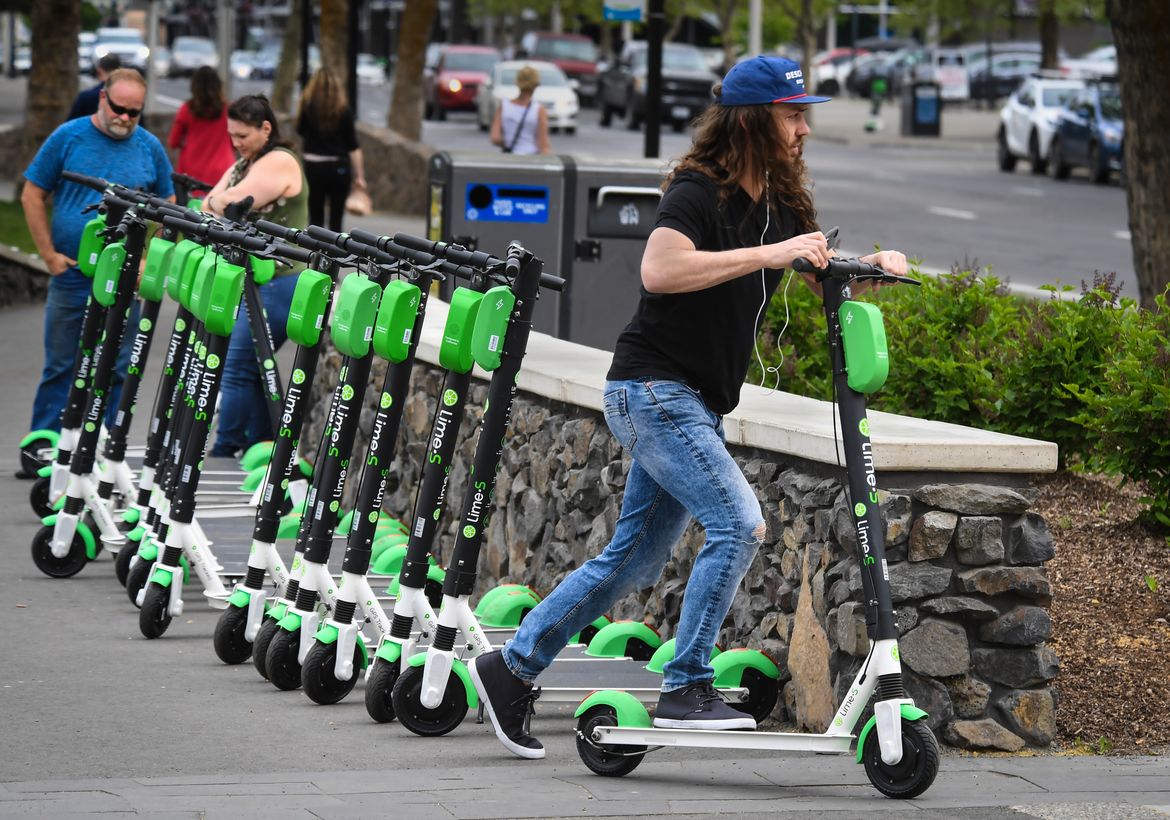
[(833, 237)]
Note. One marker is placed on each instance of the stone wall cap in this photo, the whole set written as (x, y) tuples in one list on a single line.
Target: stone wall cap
[(774, 420), (27, 260)]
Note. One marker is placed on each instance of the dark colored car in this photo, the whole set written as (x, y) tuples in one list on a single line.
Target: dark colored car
[(686, 85), (460, 72), (1089, 133), (1005, 74), (574, 54)]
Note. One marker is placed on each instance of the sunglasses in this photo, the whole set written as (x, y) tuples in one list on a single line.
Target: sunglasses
[(132, 113)]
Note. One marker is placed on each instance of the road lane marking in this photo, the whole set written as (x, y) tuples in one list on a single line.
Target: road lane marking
[(953, 213), (1122, 235)]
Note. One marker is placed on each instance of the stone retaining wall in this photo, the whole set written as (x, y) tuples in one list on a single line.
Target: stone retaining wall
[(965, 561), (23, 278)]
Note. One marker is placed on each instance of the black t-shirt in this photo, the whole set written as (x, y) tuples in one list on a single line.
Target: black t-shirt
[(337, 142), (704, 337)]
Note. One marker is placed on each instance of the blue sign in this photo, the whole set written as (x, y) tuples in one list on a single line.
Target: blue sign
[(623, 9), (487, 202)]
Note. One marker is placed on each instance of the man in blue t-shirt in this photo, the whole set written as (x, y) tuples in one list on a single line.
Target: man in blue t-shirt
[(107, 144)]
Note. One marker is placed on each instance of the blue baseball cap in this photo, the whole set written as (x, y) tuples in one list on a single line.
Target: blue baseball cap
[(765, 80)]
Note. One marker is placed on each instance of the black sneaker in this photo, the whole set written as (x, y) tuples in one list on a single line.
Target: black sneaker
[(509, 702), (698, 706)]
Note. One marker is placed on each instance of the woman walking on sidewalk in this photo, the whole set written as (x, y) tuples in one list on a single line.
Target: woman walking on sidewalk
[(333, 160)]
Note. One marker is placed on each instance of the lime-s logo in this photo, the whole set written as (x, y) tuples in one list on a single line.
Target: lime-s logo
[(334, 506), (387, 400), (298, 376), (90, 427), (180, 325), (894, 653), (212, 362), (469, 531), (373, 517), (859, 509), (79, 384), (450, 397), (145, 324), (863, 426), (346, 393), (268, 364)]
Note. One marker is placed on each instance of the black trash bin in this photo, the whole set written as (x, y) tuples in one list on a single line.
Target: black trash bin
[(921, 110)]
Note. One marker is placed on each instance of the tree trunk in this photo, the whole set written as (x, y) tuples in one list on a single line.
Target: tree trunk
[(290, 58), (1049, 35), (807, 28), (405, 115), (1141, 29), (52, 82), (334, 36), (725, 11)]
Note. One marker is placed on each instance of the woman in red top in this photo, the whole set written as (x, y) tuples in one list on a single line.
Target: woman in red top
[(200, 130)]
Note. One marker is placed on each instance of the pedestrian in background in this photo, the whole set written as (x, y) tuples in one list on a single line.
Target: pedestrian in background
[(107, 144), (86, 103), (200, 130), (333, 160), (270, 172), (520, 126)]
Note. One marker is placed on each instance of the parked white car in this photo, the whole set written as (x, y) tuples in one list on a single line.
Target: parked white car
[(554, 93), (370, 70), (1100, 62), (1027, 120)]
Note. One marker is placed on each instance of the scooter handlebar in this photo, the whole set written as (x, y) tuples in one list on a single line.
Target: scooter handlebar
[(97, 183), (452, 253), (847, 269), (191, 183)]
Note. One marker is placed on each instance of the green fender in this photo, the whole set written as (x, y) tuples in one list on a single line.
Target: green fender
[(460, 669), (345, 522), (253, 479), (277, 611), (909, 712), (83, 530), (136, 534), (665, 654), (601, 623), (131, 516), (630, 711), (289, 526), (162, 577), (386, 542), (240, 599), (148, 551), (729, 666), (52, 435), (45, 471), (393, 524), (389, 651), (291, 622), (389, 559), (505, 606), (434, 573), (328, 634), (258, 455), (611, 640)]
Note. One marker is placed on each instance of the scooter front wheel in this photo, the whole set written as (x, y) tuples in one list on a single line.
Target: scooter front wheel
[(123, 560), (284, 670), (231, 646), (913, 774), (42, 555), (379, 690), (607, 761), (154, 618), (268, 629), (318, 678), (136, 577), (419, 719), (38, 497)]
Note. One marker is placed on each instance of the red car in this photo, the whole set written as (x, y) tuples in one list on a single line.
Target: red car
[(460, 72)]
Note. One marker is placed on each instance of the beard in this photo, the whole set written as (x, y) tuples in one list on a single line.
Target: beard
[(119, 129)]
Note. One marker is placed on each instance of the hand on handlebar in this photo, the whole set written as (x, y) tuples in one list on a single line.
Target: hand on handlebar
[(811, 246), (892, 262)]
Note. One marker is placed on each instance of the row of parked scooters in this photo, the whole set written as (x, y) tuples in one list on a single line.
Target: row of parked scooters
[(301, 626)]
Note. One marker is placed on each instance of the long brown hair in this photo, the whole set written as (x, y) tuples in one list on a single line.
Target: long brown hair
[(324, 100), (733, 140), (207, 101), (255, 110)]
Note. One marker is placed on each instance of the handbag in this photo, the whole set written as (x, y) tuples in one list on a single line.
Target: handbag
[(507, 147), (358, 203)]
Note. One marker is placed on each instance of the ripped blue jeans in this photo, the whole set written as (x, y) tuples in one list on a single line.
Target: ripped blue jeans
[(681, 469)]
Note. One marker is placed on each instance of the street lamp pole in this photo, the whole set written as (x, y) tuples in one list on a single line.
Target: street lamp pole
[(654, 33)]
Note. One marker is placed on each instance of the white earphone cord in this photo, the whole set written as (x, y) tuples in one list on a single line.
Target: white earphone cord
[(775, 370)]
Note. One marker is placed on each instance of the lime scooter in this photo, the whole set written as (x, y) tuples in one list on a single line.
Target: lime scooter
[(214, 298), (63, 546), (240, 622), (897, 748), (363, 304)]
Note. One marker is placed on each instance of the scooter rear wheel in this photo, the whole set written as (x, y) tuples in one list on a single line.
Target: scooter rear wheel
[(42, 555), (913, 774), (607, 761), (379, 689), (762, 694), (36, 454), (38, 497), (284, 670), (154, 618), (418, 718), (268, 628), (231, 646), (318, 678)]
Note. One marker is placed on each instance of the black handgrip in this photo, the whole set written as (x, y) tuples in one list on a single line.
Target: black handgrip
[(218, 233), (456, 254), (548, 280), (349, 243), (96, 183), (289, 252), (168, 207), (279, 231), (297, 237), (839, 269), (191, 183), (409, 254)]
